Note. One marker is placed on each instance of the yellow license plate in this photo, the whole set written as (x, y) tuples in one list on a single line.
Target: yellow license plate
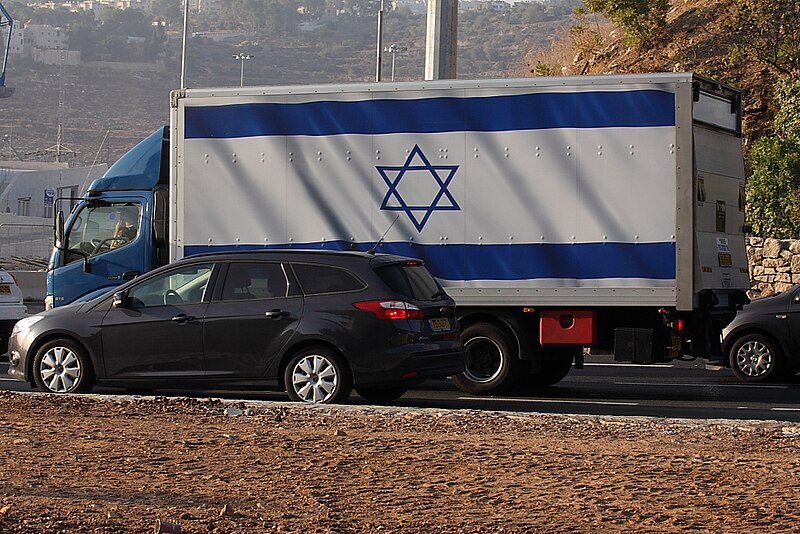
[(5, 289), (440, 323)]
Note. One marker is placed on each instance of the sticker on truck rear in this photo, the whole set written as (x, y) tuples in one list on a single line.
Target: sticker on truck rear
[(721, 216)]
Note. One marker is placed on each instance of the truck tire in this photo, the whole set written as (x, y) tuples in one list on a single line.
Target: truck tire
[(491, 364), (756, 358), (549, 366)]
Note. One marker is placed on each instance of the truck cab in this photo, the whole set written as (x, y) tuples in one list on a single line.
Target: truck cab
[(117, 230)]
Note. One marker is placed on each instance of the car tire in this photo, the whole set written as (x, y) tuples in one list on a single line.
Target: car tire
[(548, 367), (491, 364), (756, 358), (381, 395), (62, 366), (317, 375)]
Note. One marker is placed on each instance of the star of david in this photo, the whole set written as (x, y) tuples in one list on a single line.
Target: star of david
[(441, 174)]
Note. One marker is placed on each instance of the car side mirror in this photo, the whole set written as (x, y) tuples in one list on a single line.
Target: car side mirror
[(120, 299)]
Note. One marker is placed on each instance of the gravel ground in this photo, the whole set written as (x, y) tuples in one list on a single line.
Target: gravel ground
[(120, 464)]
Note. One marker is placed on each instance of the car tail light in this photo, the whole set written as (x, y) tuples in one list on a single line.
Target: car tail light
[(391, 309), (678, 325)]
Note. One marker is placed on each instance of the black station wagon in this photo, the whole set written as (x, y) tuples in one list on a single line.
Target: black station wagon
[(313, 323)]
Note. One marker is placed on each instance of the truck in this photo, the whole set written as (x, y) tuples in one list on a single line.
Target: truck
[(561, 213)]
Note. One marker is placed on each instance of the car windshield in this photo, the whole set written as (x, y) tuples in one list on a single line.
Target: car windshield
[(410, 279)]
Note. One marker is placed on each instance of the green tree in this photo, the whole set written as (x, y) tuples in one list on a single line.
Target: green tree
[(169, 11), (773, 189), (772, 28), (640, 19)]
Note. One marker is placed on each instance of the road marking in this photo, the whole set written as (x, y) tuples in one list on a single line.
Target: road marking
[(785, 409), (549, 401), (648, 365), (679, 384)]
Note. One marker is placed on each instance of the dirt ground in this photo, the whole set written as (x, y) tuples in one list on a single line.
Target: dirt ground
[(121, 464)]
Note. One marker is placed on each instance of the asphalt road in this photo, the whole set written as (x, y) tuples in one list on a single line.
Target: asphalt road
[(677, 390)]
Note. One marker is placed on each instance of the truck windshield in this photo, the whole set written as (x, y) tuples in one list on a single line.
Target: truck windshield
[(96, 229)]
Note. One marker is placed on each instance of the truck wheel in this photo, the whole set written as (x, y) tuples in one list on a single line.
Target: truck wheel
[(381, 395), (755, 358), (491, 364), (61, 366), (549, 366), (317, 375)]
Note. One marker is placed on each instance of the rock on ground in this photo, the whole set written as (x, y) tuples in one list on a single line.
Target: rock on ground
[(119, 464)]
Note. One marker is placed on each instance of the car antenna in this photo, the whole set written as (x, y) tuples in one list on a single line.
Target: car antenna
[(378, 242)]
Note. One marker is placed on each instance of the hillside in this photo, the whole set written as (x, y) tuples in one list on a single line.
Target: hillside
[(697, 38), (105, 111)]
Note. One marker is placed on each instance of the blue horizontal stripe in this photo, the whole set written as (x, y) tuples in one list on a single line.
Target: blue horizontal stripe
[(643, 108), (580, 261)]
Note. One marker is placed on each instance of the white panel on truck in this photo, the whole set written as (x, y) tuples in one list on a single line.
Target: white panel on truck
[(556, 191)]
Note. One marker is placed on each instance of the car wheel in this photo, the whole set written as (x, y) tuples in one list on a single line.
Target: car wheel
[(549, 367), (62, 366), (381, 395), (755, 358), (317, 375), (490, 364)]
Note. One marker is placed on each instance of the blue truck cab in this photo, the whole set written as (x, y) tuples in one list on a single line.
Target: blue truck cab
[(117, 230)]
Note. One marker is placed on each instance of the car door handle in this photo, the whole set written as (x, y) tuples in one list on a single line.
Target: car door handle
[(277, 314), (183, 318)]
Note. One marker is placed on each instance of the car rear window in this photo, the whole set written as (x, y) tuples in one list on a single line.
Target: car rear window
[(413, 281), (319, 279)]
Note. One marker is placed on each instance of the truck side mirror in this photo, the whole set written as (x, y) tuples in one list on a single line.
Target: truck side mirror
[(59, 230), (120, 299)]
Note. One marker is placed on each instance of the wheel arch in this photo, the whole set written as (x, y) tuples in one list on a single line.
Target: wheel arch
[(507, 323), (51, 336), (735, 336)]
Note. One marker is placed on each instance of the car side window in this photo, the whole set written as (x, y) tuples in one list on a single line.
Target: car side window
[(186, 285), (254, 280), (320, 279)]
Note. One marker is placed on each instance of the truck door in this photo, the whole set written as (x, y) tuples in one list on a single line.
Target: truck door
[(103, 247)]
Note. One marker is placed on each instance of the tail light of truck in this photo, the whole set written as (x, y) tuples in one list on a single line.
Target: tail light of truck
[(391, 309)]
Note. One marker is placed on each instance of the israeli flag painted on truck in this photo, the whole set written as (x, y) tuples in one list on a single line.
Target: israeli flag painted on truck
[(519, 186)]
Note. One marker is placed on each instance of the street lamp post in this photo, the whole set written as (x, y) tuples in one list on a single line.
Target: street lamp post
[(394, 50), (242, 57)]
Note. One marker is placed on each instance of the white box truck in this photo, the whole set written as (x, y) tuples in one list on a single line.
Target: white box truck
[(560, 213)]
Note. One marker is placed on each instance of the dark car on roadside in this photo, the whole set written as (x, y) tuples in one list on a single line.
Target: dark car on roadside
[(763, 341), (316, 324)]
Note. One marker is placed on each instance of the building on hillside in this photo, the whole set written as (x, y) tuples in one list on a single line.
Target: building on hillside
[(44, 44)]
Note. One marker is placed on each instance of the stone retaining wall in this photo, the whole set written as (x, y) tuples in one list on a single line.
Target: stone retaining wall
[(774, 265)]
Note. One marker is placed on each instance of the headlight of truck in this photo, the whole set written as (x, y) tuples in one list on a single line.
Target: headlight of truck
[(23, 325)]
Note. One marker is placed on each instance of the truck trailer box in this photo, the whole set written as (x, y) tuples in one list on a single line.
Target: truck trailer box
[(585, 191)]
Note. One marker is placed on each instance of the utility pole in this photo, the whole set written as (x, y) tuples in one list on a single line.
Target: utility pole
[(242, 57), (441, 40), (394, 50), (380, 45)]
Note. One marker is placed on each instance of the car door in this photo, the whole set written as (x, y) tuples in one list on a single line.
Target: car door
[(158, 332), (794, 323), (253, 314)]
